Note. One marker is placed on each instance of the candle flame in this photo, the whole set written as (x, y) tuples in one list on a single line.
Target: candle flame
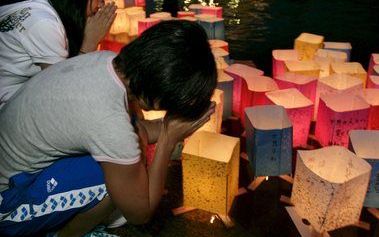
[(212, 219), (266, 178)]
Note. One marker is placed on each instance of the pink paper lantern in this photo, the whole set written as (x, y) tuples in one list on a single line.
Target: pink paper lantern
[(337, 115), (140, 3), (145, 24), (374, 60), (216, 43), (351, 68), (278, 58), (305, 84), (196, 8), (111, 46), (308, 68), (373, 82), (239, 72), (371, 96), (325, 57), (182, 14), (299, 109), (215, 11)]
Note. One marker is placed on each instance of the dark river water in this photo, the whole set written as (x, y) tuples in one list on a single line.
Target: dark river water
[(255, 27)]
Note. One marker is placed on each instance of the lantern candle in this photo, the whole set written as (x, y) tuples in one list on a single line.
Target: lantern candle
[(269, 140), (329, 187), (215, 43), (278, 58), (210, 171), (146, 23), (365, 144), (339, 46), (307, 45), (215, 11), (352, 68), (214, 123), (371, 96), (182, 14), (299, 109), (225, 83), (308, 68), (373, 82), (337, 115), (163, 16)]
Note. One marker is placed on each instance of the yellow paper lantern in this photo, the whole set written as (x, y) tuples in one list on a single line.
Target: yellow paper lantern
[(308, 68), (214, 124), (353, 69), (325, 57), (307, 45), (121, 23), (134, 14), (339, 46)]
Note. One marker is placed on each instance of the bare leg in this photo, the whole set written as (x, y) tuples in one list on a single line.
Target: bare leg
[(84, 222)]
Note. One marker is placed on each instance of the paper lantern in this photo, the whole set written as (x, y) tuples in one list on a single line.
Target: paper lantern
[(339, 46), (374, 60), (196, 8), (215, 43), (225, 83), (308, 68), (376, 70), (210, 171), (215, 11), (214, 124), (329, 187), (163, 16), (307, 45), (353, 69), (111, 46), (146, 23), (336, 84), (373, 82), (139, 3), (239, 72), (135, 14), (371, 96), (324, 58), (269, 140), (214, 26), (189, 18), (278, 58), (121, 4), (121, 24), (182, 14), (299, 109), (220, 52), (337, 115), (305, 84), (365, 144)]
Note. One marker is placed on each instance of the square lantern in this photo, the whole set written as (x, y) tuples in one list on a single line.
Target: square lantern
[(336, 84), (121, 24), (307, 45), (337, 115), (146, 23), (308, 68), (365, 144), (324, 58), (182, 14), (220, 52), (329, 187), (239, 72), (111, 45), (269, 140), (339, 46), (189, 18), (299, 109), (373, 82), (135, 14), (225, 83), (214, 124), (352, 68), (210, 171), (163, 16), (214, 26), (209, 10), (279, 56), (196, 8), (374, 60), (215, 43), (305, 84), (371, 96)]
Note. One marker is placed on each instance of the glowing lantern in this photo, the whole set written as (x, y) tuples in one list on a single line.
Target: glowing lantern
[(215, 43), (329, 187), (325, 57), (352, 69), (214, 26), (308, 68), (121, 23), (299, 109), (269, 140), (189, 18), (239, 72), (135, 14), (215, 11), (225, 83), (307, 45), (278, 58), (305, 84), (365, 144), (373, 82), (220, 52), (339, 46), (196, 8), (163, 16), (182, 14), (374, 60), (337, 115), (111, 46), (145, 24), (140, 3), (214, 124), (376, 70), (121, 4), (210, 171), (371, 96)]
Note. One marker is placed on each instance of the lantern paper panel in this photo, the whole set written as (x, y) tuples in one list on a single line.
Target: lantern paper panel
[(374, 60), (121, 24), (215, 43), (329, 187), (210, 171), (307, 45), (163, 16), (145, 24), (365, 144), (339, 47), (352, 68), (119, 3), (299, 109), (214, 124), (189, 18), (373, 82), (269, 140), (214, 27), (376, 70), (337, 115), (135, 14), (308, 68), (196, 8), (225, 83), (336, 84), (325, 57), (220, 52), (371, 96), (278, 58), (182, 14), (209, 10), (305, 84), (239, 72)]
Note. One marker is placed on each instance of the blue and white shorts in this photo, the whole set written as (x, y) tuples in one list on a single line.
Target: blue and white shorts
[(44, 202)]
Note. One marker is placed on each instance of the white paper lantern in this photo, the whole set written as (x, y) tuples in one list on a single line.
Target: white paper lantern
[(340, 47)]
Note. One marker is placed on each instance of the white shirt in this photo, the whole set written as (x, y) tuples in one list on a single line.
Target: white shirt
[(30, 33)]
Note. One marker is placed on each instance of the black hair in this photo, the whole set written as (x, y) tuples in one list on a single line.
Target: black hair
[(73, 16), (171, 64)]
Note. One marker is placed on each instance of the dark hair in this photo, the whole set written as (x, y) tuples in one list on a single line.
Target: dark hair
[(73, 16), (171, 64)]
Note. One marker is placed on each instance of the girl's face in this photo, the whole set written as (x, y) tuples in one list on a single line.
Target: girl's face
[(93, 6)]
